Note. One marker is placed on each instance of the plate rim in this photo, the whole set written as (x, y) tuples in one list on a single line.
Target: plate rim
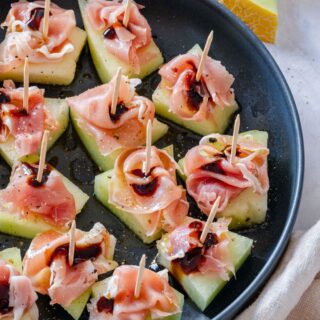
[(247, 295)]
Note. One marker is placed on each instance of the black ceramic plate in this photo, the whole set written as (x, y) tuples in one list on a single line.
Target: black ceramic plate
[(266, 104)]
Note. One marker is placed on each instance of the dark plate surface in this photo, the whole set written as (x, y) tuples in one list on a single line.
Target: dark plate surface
[(266, 105)]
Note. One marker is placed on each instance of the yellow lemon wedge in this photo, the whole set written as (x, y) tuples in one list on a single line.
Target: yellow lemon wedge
[(260, 15)]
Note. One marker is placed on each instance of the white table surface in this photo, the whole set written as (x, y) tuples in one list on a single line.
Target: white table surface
[(297, 52)]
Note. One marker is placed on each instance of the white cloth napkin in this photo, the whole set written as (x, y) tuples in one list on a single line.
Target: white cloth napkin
[(293, 291)]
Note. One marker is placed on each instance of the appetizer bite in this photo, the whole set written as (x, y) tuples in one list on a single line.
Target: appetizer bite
[(17, 297), (112, 116), (142, 191), (195, 92), (48, 36), (135, 293), (23, 121), (238, 175), (119, 36), (203, 256), (66, 265), (38, 198)]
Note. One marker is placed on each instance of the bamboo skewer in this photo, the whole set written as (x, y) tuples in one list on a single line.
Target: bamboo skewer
[(72, 242), (46, 19), (204, 56), (212, 214), (127, 13), (43, 152), (142, 266), (147, 163), (26, 85), (235, 139), (115, 93)]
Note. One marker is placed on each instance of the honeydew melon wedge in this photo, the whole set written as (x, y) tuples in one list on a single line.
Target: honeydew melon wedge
[(107, 64), (138, 223), (217, 122), (59, 110), (57, 73), (77, 307), (248, 208), (99, 288), (13, 256), (202, 289), (105, 163), (28, 227)]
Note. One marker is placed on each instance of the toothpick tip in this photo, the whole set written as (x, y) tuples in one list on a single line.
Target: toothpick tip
[(142, 265)]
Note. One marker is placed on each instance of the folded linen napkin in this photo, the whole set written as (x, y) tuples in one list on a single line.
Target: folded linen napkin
[(293, 291)]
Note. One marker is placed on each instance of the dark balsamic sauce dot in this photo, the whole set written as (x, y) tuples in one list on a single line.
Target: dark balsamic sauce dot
[(105, 305), (146, 190), (120, 110), (212, 140), (81, 254), (196, 225), (32, 172), (110, 33), (190, 261), (138, 173), (4, 98), (211, 240), (19, 113), (194, 98), (215, 167), (4, 298), (36, 15)]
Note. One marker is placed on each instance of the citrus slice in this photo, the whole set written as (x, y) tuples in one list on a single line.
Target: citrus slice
[(260, 15)]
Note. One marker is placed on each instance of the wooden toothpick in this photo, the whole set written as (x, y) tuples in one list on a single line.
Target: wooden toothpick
[(127, 13), (26, 85), (204, 56), (137, 288), (212, 214), (115, 93), (147, 163), (235, 138), (46, 19), (43, 152), (72, 242)]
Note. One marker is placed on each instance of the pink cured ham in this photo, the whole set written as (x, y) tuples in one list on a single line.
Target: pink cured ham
[(185, 250), (157, 299), (24, 36), (192, 100), (125, 128), (26, 127), (156, 195), (124, 43), (46, 262), (16, 294), (49, 200), (210, 173)]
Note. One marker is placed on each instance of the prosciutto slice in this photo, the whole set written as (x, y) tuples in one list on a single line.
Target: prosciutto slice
[(156, 194), (210, 173), (21, 297), (192, 100), (125, 128), (24, 35), (46, 262), (124, 43), (185, 249), (25, 127), (157, 299), (49, 200)]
